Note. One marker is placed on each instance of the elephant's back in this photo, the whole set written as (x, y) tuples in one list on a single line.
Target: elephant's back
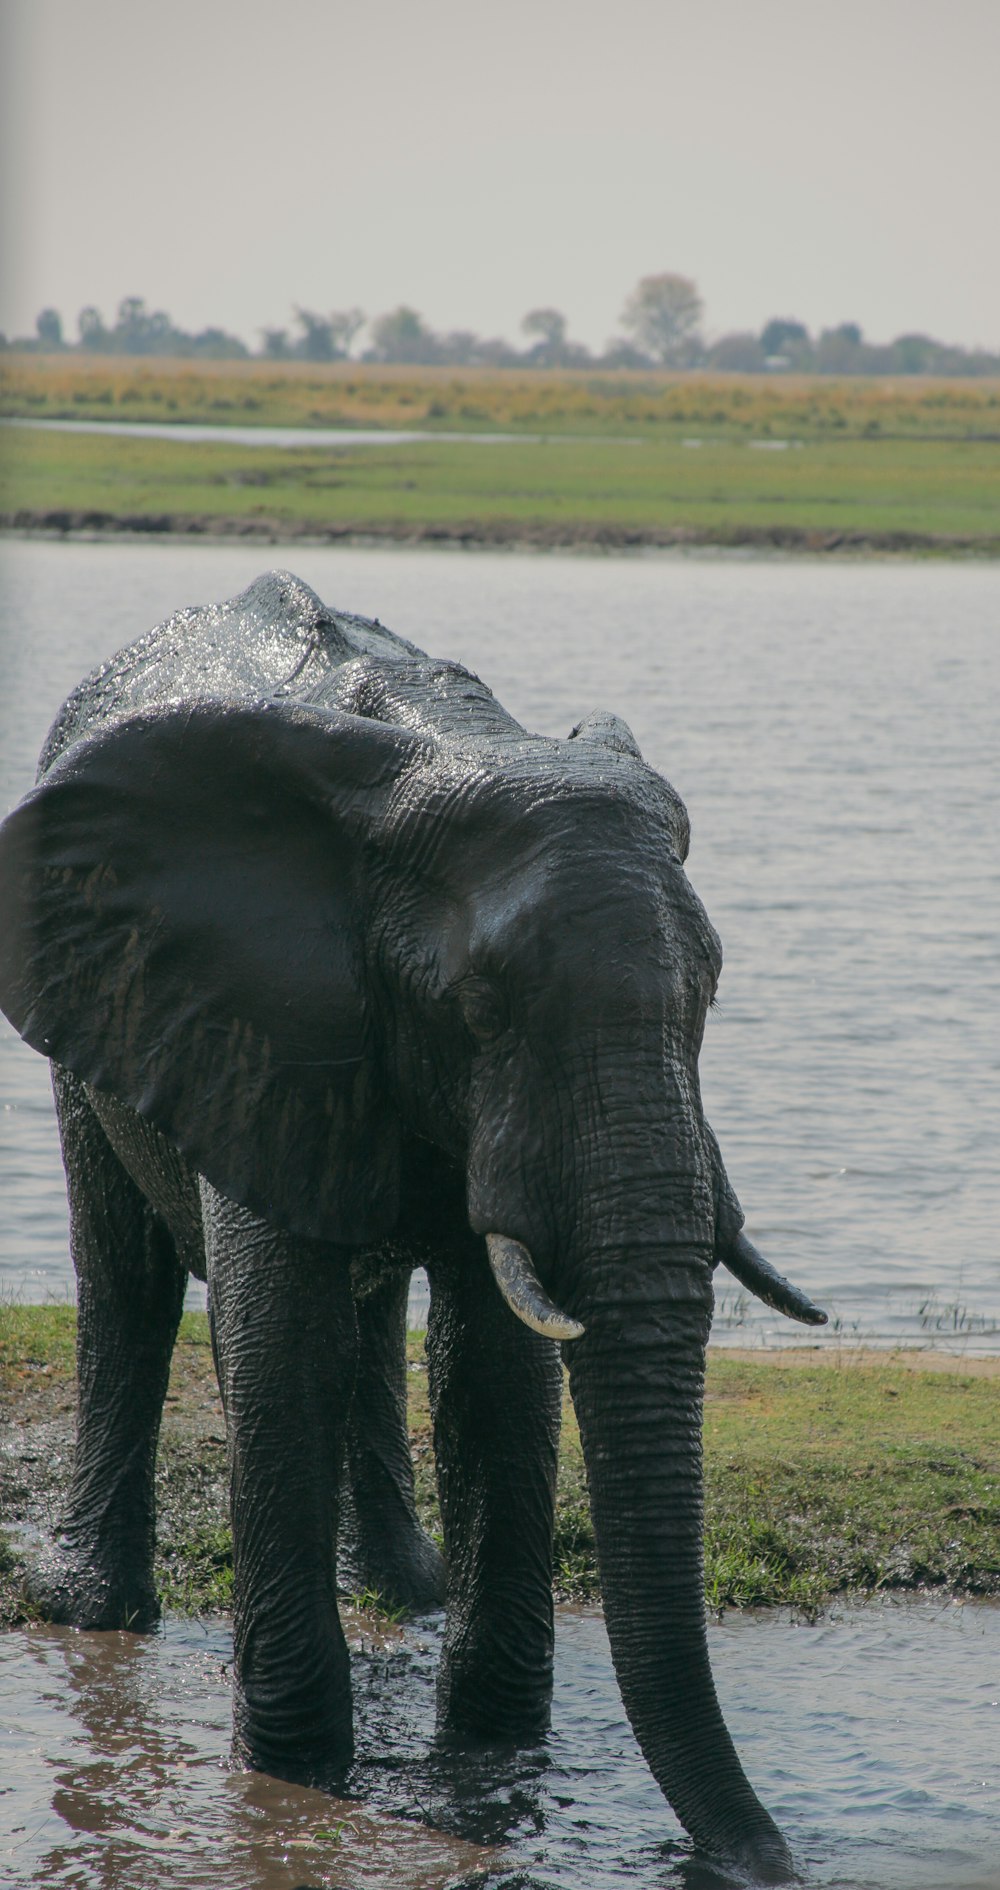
[(276, 638)]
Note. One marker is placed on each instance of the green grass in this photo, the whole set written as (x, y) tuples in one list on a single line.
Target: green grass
[(822, 1481), (838, 1477), (33, 1337), (195, 1575), (46, 1335), (942, 491)]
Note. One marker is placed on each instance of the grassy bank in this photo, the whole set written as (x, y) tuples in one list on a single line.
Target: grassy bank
[(831, 1475), (821, 492)]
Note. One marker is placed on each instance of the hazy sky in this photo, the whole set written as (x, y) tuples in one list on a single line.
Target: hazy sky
[(830, 159)]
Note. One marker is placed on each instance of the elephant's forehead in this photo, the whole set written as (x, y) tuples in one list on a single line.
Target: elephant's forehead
[(568, 907), (535, 802)]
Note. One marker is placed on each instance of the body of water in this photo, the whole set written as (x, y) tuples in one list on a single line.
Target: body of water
[(872, 1736), (190, 433), (833, 729)]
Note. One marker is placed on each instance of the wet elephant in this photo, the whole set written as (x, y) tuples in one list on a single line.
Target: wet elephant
[(341, 971)]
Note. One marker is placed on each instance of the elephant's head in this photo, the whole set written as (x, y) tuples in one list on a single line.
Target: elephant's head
[(291, 937)]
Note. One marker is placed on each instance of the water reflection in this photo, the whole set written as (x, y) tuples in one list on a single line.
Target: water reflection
[(132, 1735)]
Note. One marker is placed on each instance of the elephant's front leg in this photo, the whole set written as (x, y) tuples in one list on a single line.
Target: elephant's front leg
[(383, 1546), (285, 1339), (496, 1397)]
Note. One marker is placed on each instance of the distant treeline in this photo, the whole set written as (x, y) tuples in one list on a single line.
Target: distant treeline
[(662, 320)]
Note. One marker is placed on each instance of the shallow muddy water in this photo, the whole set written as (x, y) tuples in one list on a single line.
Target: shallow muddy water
[(833, 730), (873, 1736)]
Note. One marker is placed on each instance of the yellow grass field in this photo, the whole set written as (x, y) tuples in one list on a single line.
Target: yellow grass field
[(348, 394)]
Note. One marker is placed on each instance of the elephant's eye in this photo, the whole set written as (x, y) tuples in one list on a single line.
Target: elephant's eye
[(483, 1009)]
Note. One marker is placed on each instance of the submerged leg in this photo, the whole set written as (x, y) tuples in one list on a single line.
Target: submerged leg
[(384, 1549), (130, 1294), (496, 1398), (285, 1339)]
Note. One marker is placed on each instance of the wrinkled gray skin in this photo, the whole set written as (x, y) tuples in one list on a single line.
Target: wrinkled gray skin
[(340, 970)]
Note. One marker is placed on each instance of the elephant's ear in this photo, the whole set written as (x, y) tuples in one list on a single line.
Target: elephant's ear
[(608, 729), (184, 910)]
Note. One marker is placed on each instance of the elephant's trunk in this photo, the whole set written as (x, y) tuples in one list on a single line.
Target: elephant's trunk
[(637, 1381)]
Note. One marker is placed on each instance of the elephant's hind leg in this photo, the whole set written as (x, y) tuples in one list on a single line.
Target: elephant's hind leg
[(383, 1547), (130, 1294), (496, 1397)]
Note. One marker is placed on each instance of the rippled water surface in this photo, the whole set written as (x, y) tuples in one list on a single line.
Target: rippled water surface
[(832, 728), (873, 1737)]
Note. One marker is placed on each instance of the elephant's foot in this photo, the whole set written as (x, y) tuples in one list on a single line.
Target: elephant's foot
[(484, 1701), (321, 1772), (317, 1753), (407, 1575), (74, 1590), (493, 1722)]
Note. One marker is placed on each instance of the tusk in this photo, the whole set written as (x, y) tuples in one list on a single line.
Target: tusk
[(752, 1270), (514, 1273)]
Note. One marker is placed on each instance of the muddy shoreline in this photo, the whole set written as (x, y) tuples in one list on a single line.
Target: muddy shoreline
[(487, 535), (37, 1434), (829, 1471)]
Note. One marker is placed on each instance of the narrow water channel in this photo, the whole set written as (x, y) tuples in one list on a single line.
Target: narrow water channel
[(873, 1735)]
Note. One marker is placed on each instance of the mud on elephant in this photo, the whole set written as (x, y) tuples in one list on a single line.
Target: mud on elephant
[(342, 972)]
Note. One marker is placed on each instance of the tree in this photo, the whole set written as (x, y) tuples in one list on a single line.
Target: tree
[(553, 347), (316, 342), (916, 354), (663, 315), (133, 322), (619, 353), (139, 331), (275, 342), (782, 336), (840, 350), (344, 325), (403, 335), (214, 344), (93, 334), (326, 337), (91, 327), (48, 327), (461, 347), (739, 353), (548, 324)]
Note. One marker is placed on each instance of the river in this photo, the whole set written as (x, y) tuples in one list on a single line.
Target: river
[(873, 1736), (832, 727)]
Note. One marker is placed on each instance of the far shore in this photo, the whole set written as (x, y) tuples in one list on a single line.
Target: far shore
[(507, 461), (86, 524)]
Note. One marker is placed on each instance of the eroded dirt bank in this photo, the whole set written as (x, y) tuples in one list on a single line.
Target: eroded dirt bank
[(491, 535)]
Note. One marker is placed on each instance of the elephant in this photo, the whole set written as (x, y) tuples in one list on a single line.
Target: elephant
[(342, 972)]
